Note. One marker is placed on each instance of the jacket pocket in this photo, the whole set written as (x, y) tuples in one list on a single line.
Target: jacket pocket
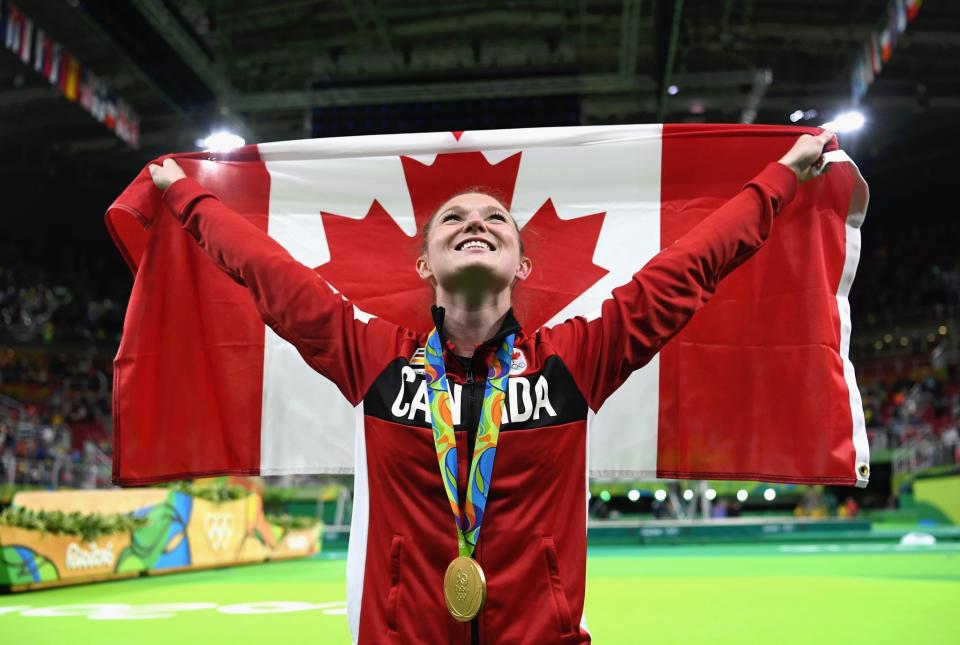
[(556, 586), (393, 597)]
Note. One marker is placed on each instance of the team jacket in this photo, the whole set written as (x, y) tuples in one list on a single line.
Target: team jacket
[(533, 543)]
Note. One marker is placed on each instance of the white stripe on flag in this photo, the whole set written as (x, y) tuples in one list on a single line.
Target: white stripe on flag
[(307, 425), (855, 216), (582, 170)]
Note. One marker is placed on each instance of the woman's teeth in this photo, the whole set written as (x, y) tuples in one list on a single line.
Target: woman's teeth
[(476, 244)]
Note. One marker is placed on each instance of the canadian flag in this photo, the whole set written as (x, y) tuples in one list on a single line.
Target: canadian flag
[(757, 386)]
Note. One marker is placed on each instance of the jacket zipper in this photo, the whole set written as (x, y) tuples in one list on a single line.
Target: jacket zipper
[(473, 387)]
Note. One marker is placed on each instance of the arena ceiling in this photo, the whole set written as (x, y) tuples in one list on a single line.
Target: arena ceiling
[(276, 69)]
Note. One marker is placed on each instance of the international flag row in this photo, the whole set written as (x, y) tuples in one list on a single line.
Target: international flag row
[(35, 47), (879, 48)]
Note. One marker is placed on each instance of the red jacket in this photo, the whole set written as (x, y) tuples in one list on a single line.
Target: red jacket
[(533, 543)]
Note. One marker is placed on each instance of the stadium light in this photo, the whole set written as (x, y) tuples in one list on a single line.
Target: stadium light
[(221, 140), (769, 494), (688, 494), (845, 122), (711, 494), (660, 495), (796, 115), (742, 495), (633, 495), (672, 90)]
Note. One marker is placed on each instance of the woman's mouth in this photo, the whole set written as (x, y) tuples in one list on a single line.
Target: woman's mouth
[(474, 243)]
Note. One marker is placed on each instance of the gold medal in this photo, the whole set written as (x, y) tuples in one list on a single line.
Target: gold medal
[(464, 588)]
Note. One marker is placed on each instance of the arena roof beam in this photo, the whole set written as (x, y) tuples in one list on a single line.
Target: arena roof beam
[(671, 55), (185, 45), (629, 37), (761, 81), (464, 90), (364, 15)]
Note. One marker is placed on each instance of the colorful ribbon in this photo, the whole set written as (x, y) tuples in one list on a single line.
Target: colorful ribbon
[(488, 433)]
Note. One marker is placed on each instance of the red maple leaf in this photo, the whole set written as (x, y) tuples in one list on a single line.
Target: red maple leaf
[(372, 259)]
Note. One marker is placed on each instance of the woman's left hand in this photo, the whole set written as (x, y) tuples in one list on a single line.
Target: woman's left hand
[(806, 154)]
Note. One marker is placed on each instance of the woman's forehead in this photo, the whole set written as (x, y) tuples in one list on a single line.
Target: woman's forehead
[(471, 201)]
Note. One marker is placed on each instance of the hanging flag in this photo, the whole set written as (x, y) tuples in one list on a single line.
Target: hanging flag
[(39, 52), (876, 60), (886, 45), (913, 8), (14, 30), (87, 90), (70, 77), (756, 386), (53, 70), (26, 39)]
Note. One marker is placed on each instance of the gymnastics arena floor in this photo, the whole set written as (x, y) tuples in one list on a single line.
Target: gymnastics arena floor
[(759, 593)]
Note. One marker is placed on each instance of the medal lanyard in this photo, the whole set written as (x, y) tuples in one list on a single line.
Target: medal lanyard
[(485, 447)]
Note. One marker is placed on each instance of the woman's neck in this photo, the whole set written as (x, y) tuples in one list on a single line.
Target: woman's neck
[(468, 322)]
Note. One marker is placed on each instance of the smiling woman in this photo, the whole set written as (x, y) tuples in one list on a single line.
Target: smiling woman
[(442, 399), (473, 256)]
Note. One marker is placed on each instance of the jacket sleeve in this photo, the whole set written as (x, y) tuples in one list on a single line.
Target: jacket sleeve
[(642, 315), (291, 298)]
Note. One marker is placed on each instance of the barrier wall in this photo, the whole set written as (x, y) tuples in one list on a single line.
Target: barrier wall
[(182, 533), (941, 495)]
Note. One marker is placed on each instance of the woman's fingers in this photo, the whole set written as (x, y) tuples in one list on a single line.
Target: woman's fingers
[(166, 174), (806, 152)]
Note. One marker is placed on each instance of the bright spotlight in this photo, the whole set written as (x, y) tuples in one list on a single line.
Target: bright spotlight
[(688, 494), (796, 115), (769, 494), (672, 90), (222, 140), (605, 495), (845, 122), (742, 495), (633, 495), (711, 494), (660, 495)]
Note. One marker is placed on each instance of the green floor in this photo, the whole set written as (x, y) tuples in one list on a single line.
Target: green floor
[(848, 593)]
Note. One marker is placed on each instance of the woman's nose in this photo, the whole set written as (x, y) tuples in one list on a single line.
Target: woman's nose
[(474, 221)]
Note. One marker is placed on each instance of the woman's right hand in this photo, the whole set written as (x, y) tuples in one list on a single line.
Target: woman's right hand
[(166, 174)]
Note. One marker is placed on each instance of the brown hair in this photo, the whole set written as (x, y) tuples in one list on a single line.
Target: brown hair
[(483, 190)]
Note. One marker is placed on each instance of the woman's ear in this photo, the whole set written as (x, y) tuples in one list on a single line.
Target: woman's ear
[(524, 269), (423, 269)]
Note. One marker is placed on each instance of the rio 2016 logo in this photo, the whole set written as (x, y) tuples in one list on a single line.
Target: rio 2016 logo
[(219, 530)]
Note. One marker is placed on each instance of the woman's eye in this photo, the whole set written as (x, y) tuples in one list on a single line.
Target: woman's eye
[(450, 217), (499, 217)]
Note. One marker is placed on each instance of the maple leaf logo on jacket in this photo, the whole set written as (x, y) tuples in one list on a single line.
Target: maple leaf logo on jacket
[(372, 259)]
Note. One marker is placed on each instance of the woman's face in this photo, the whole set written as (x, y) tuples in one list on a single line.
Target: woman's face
[(472, 242)]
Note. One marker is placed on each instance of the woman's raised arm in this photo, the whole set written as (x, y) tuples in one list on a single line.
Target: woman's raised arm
[(661, 298), (291, 298)]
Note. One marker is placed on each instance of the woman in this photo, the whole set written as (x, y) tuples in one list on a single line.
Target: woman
[(437, 408)]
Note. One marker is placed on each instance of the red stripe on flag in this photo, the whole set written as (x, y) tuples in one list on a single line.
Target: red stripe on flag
[(762, 392), (209, 345)]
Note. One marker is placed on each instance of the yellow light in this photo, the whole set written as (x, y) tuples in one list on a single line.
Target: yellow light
[(878, 344), (904, 341), (888, 338), (943, 330)]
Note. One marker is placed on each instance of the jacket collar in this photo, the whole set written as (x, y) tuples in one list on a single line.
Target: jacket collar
[(507, 327)]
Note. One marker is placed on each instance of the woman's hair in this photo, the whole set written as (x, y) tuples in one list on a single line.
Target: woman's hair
[(483, 190)]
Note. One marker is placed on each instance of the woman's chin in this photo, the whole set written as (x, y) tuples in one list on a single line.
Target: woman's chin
[(476, 274)]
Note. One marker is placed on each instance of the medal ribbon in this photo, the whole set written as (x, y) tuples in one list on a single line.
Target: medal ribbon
[(485, 447)]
